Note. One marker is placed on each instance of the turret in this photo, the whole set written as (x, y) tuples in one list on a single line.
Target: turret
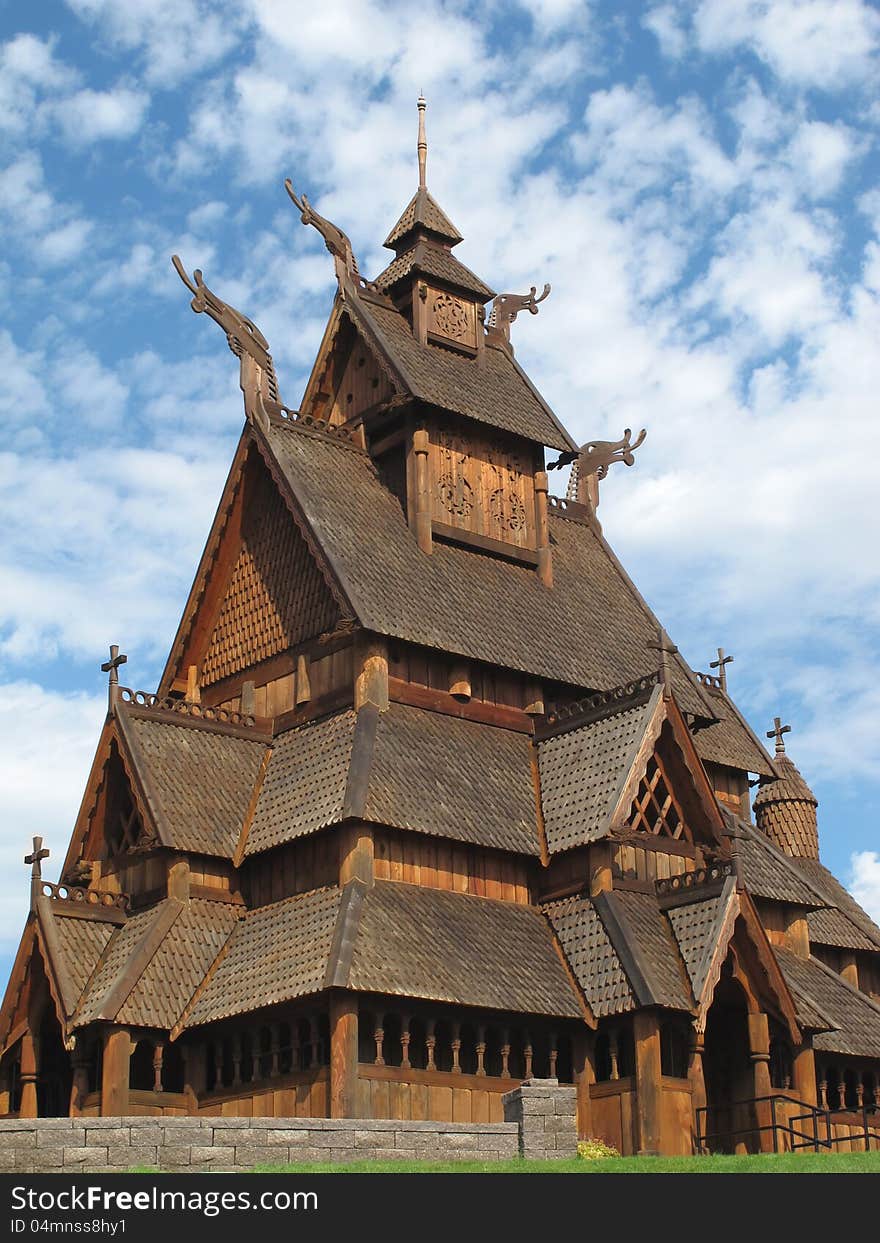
[(785, 808)]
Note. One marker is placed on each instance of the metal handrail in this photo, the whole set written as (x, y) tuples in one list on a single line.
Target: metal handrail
[(797, 1138)]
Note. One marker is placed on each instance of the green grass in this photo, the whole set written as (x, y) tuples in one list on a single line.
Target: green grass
[(785, 1163)]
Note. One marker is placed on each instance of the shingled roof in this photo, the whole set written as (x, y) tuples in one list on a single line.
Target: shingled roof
[(496, 391), (837, 896), (197, 782), (451, 947), (592, 629), (81, 943), (591, 955), (406, 768), (584, 770), (391, 938), (730, 740), (422, 211), (695, 926), (767, 872), (155, 962), (276, 953), (855, 1018), (433, 261)]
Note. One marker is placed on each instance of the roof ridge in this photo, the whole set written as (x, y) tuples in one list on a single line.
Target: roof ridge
[(597, 706), (756, 835)]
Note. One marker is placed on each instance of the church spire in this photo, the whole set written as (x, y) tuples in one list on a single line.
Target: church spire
[(422, 143)]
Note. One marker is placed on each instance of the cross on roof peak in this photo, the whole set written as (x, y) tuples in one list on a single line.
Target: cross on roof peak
[(36, 857), (422, 143), (777, 732), (111, 666), (719, 664)]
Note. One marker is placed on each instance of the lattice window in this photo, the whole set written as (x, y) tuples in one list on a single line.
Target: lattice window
[(655, 808), (123, 829)]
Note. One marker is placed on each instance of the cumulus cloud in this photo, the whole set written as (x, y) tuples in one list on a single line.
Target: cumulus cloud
[(865, 881), (89, 116)]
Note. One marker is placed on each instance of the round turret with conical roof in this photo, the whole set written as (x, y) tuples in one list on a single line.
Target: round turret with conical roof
[(785, 808)]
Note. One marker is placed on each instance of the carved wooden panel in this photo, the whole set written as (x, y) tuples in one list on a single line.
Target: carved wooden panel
[(450, 318), (276, 597), (484, 485)]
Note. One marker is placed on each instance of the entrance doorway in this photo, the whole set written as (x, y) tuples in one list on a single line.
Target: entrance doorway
[(727, 1071), (53, 1071)]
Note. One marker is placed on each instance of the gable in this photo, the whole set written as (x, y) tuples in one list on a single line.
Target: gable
[(347, 378), (117, 821), (275, 596)]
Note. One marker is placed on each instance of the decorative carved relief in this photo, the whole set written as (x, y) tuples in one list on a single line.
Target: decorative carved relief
[(485, 486), (507, 510), (451, 318), (456, 494)]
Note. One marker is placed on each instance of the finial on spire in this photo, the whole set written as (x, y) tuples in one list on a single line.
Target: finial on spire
[(423, 142), (720, 664), (777, 732)]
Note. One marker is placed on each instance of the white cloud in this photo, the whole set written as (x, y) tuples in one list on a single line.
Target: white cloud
[(668, 26), (865, 881), (90, 116), (176, 39), (824, 43), (40, 727), (53, 232)]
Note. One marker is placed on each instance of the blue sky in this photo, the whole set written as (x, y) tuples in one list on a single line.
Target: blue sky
[(698, 182)]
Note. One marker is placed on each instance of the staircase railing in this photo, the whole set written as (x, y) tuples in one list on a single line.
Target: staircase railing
[(812, 1128)]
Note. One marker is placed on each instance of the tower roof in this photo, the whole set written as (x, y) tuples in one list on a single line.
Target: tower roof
[(785, 809), (422, 212)]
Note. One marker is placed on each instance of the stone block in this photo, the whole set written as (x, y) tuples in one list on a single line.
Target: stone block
[(145, 1136), (372, 1139), (249, 1155), (175, 1156), (115, 1137), (92, 1158), (212, 1154)]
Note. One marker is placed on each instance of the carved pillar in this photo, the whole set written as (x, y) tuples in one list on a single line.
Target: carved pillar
[(114, 1072), (481, 1050), (314, 1043), (527, 1055), (456, 1048), (600, 869), (178, 879), (422, 491), (404, 1042), (356, 853), (542, 530), (646, 1035), (28, 1073), (759, 1051), (805, 1075), (612, 1055), (505, 1054), (343, 1055), (379, 1037), (158, 1058), (430, 1044), (554, 1055)]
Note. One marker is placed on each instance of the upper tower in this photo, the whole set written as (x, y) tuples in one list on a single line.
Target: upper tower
[(785, 809)]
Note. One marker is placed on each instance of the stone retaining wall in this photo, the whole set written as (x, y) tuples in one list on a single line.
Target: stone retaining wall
[(540, 1122)]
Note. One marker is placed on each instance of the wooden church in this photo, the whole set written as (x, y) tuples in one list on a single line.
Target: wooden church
[(426, 803)]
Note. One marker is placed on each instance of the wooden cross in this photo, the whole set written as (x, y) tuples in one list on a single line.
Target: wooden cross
[(35, 859), (111, 666), (719, 665), (777, 732), (666, 648)]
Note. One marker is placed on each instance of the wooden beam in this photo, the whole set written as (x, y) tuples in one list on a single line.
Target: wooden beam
[(401, 691)]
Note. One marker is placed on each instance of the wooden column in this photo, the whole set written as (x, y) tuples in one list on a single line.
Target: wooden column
[(542, 529), (356, 852), (343, 1055), (797, 935), (28, 1107), (79, 1087), (371, 678), (422, 491), (600, 869), (178, 879), (759, 1050), (114, 1074), (195, 1074), (646, 1035), (583, 1046), (805, 1085), (697, 1078), (849, 970)]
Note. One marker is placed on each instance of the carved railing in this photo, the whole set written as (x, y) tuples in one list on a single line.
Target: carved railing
[(295, 418), (618, 696), (185, 707), (711, 874), (710, 680), (564, 508), (84, 897)]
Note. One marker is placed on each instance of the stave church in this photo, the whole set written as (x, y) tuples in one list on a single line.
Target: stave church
[(426, 802)]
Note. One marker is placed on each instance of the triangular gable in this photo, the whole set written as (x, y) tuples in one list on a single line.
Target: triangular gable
[(114, 792), (630, 768), (709, 930), (349, 375), (262, 585)]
